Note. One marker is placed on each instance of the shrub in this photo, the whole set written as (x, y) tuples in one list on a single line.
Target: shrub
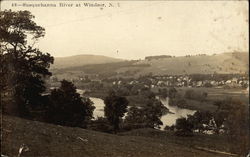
[(101, 124)]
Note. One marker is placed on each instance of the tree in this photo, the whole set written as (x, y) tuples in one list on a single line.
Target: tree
[(148, 116), (24, 67), (153, 113), (68, 107), (115, 108), (135, 118)]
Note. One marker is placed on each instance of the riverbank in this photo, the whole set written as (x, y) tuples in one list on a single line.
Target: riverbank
[(213, 94), (134, 100), (49, 140), (170, 113)]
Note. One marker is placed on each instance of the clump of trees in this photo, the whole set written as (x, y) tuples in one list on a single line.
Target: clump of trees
[(146, 116), (157, 57), (168, 92), (200, 121)]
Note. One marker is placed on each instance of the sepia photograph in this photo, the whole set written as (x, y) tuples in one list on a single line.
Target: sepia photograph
[(124, 78)]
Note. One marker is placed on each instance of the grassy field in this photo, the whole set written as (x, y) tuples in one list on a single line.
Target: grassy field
[(213, 94), (48, 140), (219, 93)]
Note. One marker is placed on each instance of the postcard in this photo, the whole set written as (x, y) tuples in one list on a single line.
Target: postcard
[(127, 78)]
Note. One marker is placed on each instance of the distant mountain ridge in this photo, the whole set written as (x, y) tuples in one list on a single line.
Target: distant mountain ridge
[(235, 62), (81, 60), (224, 63)]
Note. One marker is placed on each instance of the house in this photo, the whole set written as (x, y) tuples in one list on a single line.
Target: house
[(234, 80), (214, 83), (228, 82), (199, 84)]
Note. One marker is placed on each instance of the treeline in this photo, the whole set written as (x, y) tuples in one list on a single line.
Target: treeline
[(158, 57), (215, 77)]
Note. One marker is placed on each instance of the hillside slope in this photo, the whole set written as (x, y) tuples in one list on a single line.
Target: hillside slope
[(225, 63), (80, 60), (50, 140), (203, 64)]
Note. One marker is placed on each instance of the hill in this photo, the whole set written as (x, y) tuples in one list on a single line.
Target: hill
[(81, 60), (49, 140), (199, 64), (225, 63)]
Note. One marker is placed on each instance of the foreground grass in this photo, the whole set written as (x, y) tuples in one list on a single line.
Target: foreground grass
[(50, 140)]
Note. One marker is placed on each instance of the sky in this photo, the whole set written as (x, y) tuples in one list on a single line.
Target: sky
[(135, 29)]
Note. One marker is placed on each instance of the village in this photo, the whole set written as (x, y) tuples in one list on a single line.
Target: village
[(149, 81)]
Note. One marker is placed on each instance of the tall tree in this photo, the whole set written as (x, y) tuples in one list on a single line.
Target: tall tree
[(115, 108), (68, 107), (153, 112), (24, 67)]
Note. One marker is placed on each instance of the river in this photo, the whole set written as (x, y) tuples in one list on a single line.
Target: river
[(168, 119), (175, 113), (99, 107)]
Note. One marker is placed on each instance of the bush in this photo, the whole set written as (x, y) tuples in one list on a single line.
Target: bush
[(208, 85), (169, 128), (101, 124)]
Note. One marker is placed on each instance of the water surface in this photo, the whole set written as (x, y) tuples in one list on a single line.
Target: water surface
[(175, 113)]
